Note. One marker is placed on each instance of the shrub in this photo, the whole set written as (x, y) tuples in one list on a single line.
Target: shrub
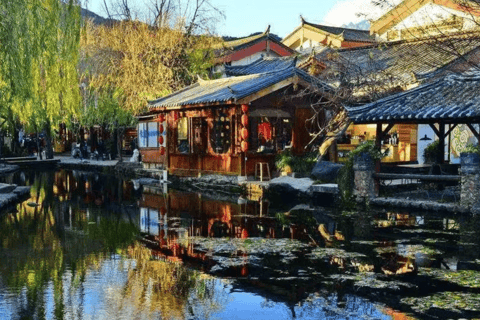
[(302, 164), (345, 179), (471, 148), (432, 152)]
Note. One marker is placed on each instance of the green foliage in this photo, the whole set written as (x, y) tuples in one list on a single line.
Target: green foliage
[(471, 148), (301, 164), (432, 152), (38, 62), (346, 178), (105, 108)]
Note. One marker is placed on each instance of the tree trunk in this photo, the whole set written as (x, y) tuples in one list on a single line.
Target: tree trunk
[(39, 155), (48, 141), (15, 144), (119, 144)]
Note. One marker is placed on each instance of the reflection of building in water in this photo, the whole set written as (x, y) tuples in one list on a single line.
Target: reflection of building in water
[(193, 215)]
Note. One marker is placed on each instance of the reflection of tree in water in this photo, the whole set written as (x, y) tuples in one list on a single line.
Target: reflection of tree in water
[(39, 248), (169, 290)]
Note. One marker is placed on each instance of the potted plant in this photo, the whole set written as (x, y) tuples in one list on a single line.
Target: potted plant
[(470, 159), (433, 152)]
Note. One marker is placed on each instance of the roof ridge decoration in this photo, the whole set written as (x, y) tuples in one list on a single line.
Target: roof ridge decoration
[(267, 31)]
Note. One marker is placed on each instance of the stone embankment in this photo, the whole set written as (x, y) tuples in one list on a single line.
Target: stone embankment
[(10, 193)]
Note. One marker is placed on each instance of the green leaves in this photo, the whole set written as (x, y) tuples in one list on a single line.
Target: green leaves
[(38, 60)]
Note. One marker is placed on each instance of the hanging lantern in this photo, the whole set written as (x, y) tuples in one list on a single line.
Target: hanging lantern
[(175, 115), (161, 128), (162, 118), (160, 140), (244, 120), (244, 133), (244, 146), (163, 211), (162, 151), (244, 108)]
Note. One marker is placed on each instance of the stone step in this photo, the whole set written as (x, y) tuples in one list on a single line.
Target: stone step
[(331, 188), (7, 188)]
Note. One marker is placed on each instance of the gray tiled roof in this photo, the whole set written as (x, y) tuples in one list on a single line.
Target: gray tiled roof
[(452, 98), (401, 62), (227, 47), (348, 34), (264, 64), (229, 90)]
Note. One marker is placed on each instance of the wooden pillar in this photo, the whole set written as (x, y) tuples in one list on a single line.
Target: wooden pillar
[(378, 136), (378, 143), (441, 138)]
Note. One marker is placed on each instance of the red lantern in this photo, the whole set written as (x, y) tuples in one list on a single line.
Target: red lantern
[(244, 133), (175, 115), (162, 150), (244, 120), (245, 108), (163, 211), (160, 128), (162, 118), (160, 140), (244, 146)]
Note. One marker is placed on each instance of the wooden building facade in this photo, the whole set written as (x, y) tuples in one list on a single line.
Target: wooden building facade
[(229, 125)]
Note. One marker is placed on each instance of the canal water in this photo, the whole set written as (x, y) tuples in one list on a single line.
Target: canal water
[(89, 246)]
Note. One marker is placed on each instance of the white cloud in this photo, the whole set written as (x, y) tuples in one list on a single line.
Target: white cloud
[(345, 11)]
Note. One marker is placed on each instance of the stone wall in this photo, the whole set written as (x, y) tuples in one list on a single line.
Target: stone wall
[(364, 184), (470, 173)]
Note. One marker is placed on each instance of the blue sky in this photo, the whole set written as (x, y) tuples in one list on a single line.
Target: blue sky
[(244, 17)]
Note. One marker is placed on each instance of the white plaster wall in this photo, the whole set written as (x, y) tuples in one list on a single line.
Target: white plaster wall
[(254, 57), (424, 129), (432, 14), (462, 133)]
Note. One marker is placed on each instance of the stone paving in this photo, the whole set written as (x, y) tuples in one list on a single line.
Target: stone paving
[(69, 160)]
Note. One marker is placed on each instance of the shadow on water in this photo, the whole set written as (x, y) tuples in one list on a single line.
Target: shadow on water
[(92, 246)]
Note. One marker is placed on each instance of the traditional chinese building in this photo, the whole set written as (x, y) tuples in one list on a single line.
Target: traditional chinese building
[(244, 51), (232, 124), (309, 36), (414, 19), (378, 71)]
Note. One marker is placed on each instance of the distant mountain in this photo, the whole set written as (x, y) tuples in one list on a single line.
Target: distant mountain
[(96, 19), (229, 38), (362, 25)]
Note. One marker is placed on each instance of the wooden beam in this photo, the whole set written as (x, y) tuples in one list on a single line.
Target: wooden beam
[(474, 131), (266, 91), (451, 129), (435, 129), (388, 128), (378, 135), (469, 7), (396, 15), (441, 155)]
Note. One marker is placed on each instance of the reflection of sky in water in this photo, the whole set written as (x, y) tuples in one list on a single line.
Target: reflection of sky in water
[(243, 306), (99, 297)]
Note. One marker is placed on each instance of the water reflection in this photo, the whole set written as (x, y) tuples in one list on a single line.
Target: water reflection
[(71, 251)]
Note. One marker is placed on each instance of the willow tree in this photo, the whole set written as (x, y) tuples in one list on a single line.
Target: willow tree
[(38, 58), (133, 62), (16, 61)]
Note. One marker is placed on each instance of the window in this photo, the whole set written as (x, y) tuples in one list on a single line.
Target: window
[(153, 134), (148, 135), (270, 134), (142, 135), (221, 134), (182, 136)]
